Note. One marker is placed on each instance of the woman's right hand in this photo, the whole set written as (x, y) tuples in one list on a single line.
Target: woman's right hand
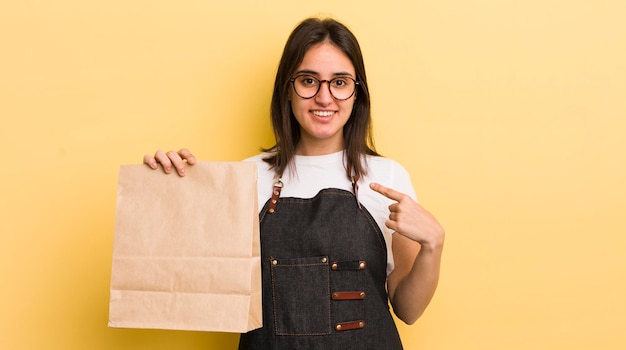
[(170, 160)]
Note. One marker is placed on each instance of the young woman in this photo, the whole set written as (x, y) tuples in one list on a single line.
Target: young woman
[(341, 231)]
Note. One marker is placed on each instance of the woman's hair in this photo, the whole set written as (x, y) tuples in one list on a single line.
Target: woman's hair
[(358, 140)]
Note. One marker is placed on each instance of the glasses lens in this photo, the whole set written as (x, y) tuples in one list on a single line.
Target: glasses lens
[(342, 88), (307, 86)]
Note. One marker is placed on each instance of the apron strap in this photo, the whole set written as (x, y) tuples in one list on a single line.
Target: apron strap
[(278, 186)]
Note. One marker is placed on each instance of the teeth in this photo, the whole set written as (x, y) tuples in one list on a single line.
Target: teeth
[(323, 113)]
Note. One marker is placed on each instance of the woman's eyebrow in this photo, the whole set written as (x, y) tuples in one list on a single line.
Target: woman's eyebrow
[(307, 72), (343, 74), (311, 72)]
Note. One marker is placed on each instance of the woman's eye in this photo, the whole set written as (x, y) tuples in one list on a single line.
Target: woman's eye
[(308, 81), (340, 82)]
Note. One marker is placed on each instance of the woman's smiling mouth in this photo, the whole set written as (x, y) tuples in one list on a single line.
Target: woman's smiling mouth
[(323, 113)]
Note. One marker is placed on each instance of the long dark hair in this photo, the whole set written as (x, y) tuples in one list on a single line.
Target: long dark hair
[(357, 135)]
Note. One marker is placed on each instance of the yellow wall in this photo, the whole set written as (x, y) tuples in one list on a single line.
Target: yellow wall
[(509, 115)]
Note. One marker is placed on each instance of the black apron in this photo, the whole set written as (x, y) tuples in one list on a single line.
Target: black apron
[(323, 264)]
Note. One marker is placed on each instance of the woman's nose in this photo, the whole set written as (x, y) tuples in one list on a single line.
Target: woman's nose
[(324, 96)]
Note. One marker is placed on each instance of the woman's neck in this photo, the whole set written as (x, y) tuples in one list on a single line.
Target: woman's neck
[(318, 148)]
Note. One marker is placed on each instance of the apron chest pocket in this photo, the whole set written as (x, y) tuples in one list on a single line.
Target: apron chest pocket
[(301, 295)]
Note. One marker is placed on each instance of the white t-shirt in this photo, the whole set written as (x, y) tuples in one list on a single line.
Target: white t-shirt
[(315, 173)]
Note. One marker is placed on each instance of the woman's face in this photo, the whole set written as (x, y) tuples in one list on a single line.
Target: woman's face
[(322, 117)]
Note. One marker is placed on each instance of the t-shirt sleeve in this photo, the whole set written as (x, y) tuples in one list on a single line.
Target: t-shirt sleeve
[(401, 180)]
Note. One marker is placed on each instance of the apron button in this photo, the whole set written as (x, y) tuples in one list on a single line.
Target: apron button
[(324, 259)]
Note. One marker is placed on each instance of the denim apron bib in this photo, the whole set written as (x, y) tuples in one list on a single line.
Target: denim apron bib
[(323, 264)]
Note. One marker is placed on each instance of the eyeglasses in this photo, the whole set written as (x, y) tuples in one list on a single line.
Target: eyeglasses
[(341, 88)]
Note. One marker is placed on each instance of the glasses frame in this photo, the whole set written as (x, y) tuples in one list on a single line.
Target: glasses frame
[(293, 83)]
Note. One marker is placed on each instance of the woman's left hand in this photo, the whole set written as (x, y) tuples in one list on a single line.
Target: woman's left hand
[(412, 283), (410, 219)]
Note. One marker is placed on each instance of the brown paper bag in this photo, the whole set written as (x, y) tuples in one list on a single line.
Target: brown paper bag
[(186, 251)]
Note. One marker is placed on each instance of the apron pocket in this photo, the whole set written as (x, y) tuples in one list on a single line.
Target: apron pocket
[(301, 296)]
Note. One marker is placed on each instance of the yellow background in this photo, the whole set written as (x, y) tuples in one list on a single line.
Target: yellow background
[(510, 116)]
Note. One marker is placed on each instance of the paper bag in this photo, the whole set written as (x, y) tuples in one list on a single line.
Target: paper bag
[(186, 252)]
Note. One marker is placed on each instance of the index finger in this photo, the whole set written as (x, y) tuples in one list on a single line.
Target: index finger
[(387, 192)]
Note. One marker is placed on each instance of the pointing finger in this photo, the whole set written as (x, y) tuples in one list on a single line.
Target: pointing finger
[(387, 192)]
